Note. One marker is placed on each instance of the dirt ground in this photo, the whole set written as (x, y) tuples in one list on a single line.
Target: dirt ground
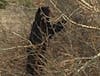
[(75, 51)]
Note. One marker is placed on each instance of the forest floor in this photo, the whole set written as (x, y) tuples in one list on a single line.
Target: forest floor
[(73, 52)]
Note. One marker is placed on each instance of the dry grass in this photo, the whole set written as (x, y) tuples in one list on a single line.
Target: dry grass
[(75, 51)]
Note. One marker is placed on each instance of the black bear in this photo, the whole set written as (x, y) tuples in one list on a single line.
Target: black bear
[(41, 28)]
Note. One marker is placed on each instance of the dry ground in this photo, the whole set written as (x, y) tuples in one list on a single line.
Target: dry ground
[(73, 52)]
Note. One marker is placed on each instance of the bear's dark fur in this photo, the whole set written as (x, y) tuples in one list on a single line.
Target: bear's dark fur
[(41, 28)]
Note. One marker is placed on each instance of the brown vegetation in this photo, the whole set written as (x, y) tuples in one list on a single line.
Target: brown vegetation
[(75, 51)]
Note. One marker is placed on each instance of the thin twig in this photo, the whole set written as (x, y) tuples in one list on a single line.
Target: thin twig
[(88, 6), (89, 62), (17, 47)]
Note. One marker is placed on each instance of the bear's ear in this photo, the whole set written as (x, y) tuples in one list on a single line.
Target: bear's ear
[(45, 10), (42, 11), (38, 14)]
